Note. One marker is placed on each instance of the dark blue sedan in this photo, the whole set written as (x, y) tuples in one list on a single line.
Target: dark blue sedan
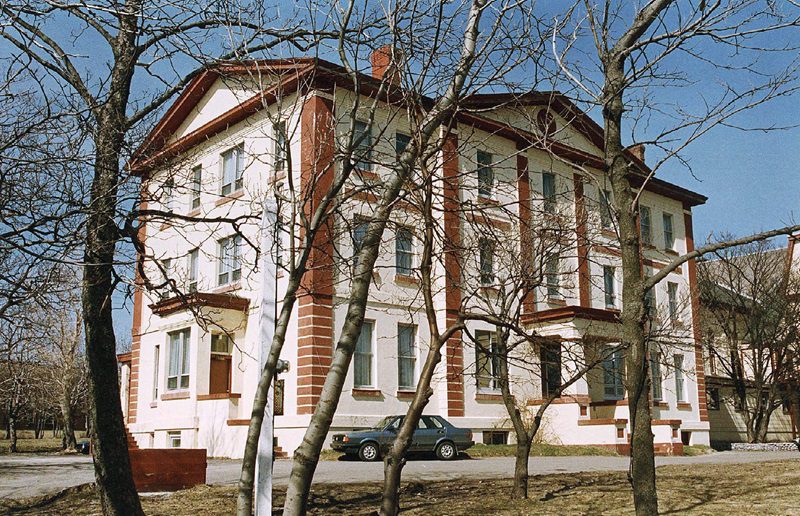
[(433, 434)]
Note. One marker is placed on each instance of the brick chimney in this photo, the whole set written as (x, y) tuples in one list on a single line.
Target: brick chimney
[(638, 151), (382, 63)]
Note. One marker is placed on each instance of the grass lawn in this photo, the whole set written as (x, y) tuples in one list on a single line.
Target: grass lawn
[(730, 489), (44, 445), (539, 450)]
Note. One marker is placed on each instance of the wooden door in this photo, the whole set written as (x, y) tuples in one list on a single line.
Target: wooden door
[(220, 376)]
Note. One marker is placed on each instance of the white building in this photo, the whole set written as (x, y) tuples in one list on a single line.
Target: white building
[(191, 384)]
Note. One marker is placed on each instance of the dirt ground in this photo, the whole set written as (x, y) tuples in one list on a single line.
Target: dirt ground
[(759, 488)]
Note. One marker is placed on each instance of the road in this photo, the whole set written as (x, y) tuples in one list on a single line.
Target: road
[(33, 475)]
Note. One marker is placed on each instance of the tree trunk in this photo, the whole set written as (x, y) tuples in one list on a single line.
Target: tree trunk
[(68, 441), (396, 457), (634, 314), (109, 443), (521, 457), (12, 433)]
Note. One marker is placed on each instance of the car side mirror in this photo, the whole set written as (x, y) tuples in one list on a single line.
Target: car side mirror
[(392, 429)]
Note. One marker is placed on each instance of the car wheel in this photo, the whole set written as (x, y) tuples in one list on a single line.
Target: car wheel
[(446, 451), (368, 452)]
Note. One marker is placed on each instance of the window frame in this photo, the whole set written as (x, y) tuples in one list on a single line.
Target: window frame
[(672, 296), (713, 401), (180, 351), (193, 267), (403, 269), (361, 354), (197, 186), (548, 367), (606, 216), (232, 272), (485, 173), (405, 357), (156, 367), (362, 149), (616, 372), (174, 436), (646, 229), (680, 380), (486, 251), (236, 182), (491, 360), (550, 198), (280, 147), (656, 380), (399, 137), (609, 287), (669, 230), (552, 273)]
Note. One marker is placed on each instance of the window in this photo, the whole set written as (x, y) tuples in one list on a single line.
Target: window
[(401, 141), (712, 398), (174, 439), (178, 374), (613, 388), (680, 388), (197, 186), (404, 251), (645, 225), (362, 359), (551, 272), (229, 268), (362, 138), (606, 213), (169, 195), (485, 174), (495, 437), (608, 286), (359, 234), (549, 192), (550, 357), (669, 233), (221, 343), (650, 302), (194, 265), (406, 356), (232, 169), (487, 363), (156, 359), (672, 292), (655, 376), (168, 266), (281, 147), (486, 262)]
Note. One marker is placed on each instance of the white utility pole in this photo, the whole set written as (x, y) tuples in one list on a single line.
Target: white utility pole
[(269, 270)]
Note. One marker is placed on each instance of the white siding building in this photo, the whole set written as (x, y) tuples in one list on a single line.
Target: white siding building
[(193, 366)]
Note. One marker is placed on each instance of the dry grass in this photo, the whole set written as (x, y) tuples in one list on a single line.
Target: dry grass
[(508, 450), (44, 445), (730, 489)]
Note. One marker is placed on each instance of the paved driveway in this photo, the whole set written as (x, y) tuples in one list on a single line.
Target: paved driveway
[(32, 475)]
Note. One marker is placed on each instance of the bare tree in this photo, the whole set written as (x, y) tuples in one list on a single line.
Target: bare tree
[(133, 39), (634, 49), (750, 327)]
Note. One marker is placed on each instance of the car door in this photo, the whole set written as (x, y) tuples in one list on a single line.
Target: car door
[(428, 433), (389, 434)]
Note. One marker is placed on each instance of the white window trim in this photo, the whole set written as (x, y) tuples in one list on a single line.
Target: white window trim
[(372, 358)]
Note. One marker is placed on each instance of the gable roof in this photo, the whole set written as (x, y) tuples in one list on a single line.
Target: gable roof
[(299, 74)]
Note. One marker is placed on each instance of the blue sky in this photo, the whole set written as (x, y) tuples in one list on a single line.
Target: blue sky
[(751, 178)]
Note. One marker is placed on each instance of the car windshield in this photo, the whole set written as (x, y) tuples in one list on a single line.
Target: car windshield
[(383, 422)]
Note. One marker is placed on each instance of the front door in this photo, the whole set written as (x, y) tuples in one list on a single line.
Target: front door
[(220, 376)]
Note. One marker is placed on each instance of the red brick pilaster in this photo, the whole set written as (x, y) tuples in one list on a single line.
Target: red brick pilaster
[(691, 267), (452, 265), (525, 229), (136, 326), (584, 280), (315, 304)]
